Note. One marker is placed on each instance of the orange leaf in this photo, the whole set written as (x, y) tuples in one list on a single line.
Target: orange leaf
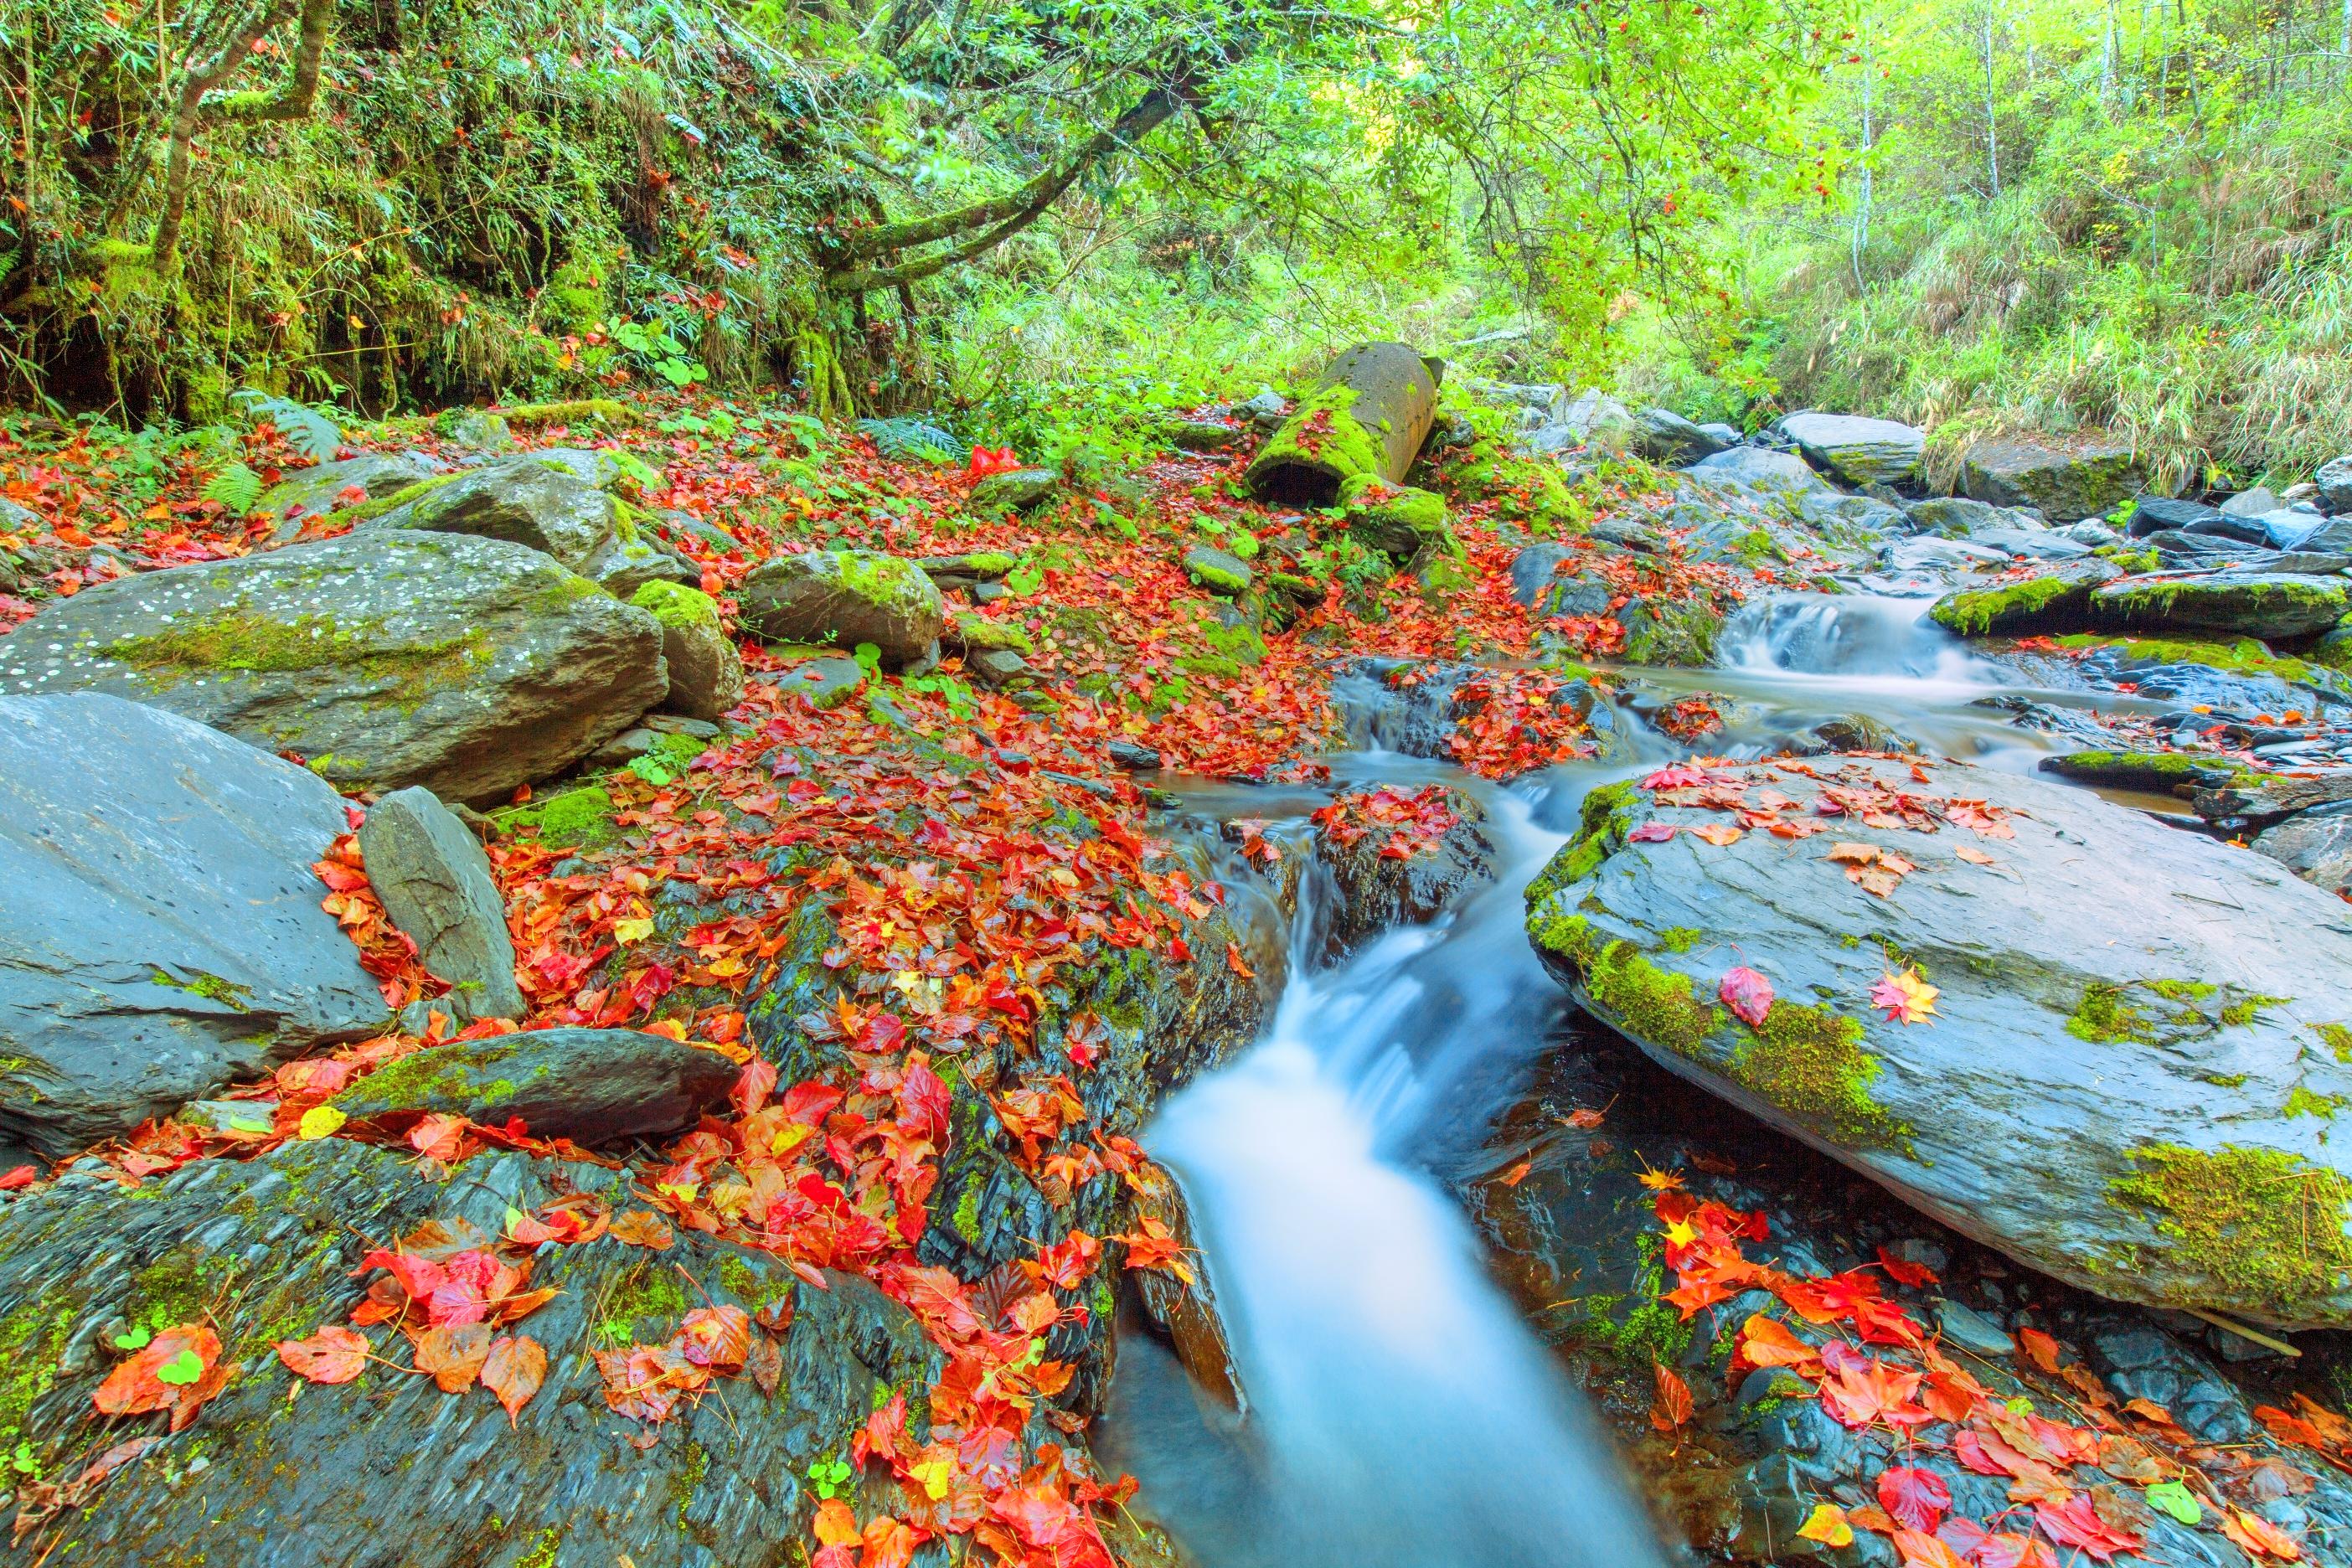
[(453, 1354), (513, 1370), (1674, 1406), (333, 1355)]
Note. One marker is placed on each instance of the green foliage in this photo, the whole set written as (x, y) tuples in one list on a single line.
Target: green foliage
[(312, 434), (236, 487)]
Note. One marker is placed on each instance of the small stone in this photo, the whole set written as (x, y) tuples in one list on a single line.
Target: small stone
[(1134, 758), (996, 666), (1972, 1331), (429, 869), (592, 1086)]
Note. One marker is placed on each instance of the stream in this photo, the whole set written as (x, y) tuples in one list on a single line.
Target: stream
[(1399, 1412)]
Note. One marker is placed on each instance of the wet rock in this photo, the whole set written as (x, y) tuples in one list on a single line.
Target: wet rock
[(2127, 1013), (1218, 571), (844, 597), (2245, 603), (2144, 1363), (2268, 797), (628, 565), (1135, 759), (264, 1251), (1203, 435), (523, 500), (706, 672), (1953, 517), (2253, 503), (2227, 525), (429, 869), (2155, 514), (822, 683), (1757, 469), (2057, 600), (1855, 451), (1016, 490), (164, 934), (592, 1086), (1666, 438), (2067, 484), (313, 492), (2157, 773), (2316, 845), (1971, 1331), (2333, 480), (1398, 521), (386, 656), (1590, 419), (1533, 570)]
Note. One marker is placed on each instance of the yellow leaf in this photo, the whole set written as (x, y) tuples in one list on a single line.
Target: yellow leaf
[(1828, 1526), (934, 1475), (627, 931), (320, 1122), (1680, 1234)]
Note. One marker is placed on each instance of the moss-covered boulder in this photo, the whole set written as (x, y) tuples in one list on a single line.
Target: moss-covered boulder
[(1855, 451), (2138, 1044), (524, 500), (162, 934), (2066, 483), (2255, 604), (1218, 571), (592, 1086), (2054, 601), (382, 658), (1395, 519), (843, 598), (2155, 772), (378, 1469), (706, 672), (316, 491), (1015, 489)]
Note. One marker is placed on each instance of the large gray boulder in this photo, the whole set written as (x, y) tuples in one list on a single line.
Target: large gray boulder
[(306, 493), (162, 934), (844, 597), (2317, 845), (2253, 604), (542, 502), (1857, 450), (1757, 469), (468, 666), (2335, 481), (2131, 1073), (2066, 484), (592, 1086), (429, 871), (1664, 436), (370, 1472)]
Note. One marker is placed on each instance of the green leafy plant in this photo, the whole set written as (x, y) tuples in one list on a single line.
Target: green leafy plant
[(313, 435), (829, 1477), (236, 487)]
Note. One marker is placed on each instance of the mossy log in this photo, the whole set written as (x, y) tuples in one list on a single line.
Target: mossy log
[(1367, 413)]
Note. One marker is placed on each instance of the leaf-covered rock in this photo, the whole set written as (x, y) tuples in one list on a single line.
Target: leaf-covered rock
[(164, 934), (389, 657), (2128, 1072)]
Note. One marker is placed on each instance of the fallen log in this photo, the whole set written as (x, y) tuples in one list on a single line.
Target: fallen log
[(1367, 413)]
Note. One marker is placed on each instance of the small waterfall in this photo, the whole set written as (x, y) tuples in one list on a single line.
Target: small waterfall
[(1865, 634), (1401, 1414)]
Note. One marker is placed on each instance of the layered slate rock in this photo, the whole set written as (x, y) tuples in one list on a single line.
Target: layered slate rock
[(2255, 604), (592, 1086), (2137, 1051), (2054, 601), (429, 871), (386, 658), (2065, 485), (162, 935), (2316, 845), (1857, 450), (388, 1468), (542, 502), (844, 597)]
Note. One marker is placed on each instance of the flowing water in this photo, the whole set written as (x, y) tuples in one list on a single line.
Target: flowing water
[(1398, 1411)]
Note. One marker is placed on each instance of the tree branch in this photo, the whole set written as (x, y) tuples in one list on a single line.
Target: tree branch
[(1010, 213)]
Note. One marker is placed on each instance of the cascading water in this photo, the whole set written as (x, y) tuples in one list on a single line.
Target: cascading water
[(1848, 636), (1399, 1412)]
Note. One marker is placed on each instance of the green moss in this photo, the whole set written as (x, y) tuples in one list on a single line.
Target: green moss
[(1680, 938), (676, 605), (2259, 1225), (1657, 1006), (2337, 1037), (966, 1217), (2158, 772), (543, 1550), (575, 411), (1398, 521), (2184, 990), (643, 1305), (692, 1467), (2155, 599), (1758, 546), (2304, 1103), (980, 633), (748, 1286), (2126, 1012), (1809, 1062), (1324, 435), (212, 987), (1607, 817), (561, 592), (378, 506), (183, 1286), (2238, 1015), (2105, 1016), (578, 819), (2224, 1079), (236, 639), (2007, 607), (2244, 656), (32, 1337)]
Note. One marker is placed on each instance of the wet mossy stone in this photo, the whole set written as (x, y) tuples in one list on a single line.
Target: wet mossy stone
[(523, 500), (2058, 600), (2255, 603), (592, 1086), (2066, 484), (2127, 1013), (365, 1472), (163, 935), (706, 671), (386, 658), (1396, 519), (1218, 571), (1016, 490), (2157, 773), (308, 493), (843, 598), (1203, 435)]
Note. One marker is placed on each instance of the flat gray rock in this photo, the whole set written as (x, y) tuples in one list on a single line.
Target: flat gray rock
[(386, 657), (2335, 481), (316, 491), (1757, 469), (1857, 450), (162, 935), (2315, 847), (2132, 1071), (592, 1086), (2255, 604), (429, 869)]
